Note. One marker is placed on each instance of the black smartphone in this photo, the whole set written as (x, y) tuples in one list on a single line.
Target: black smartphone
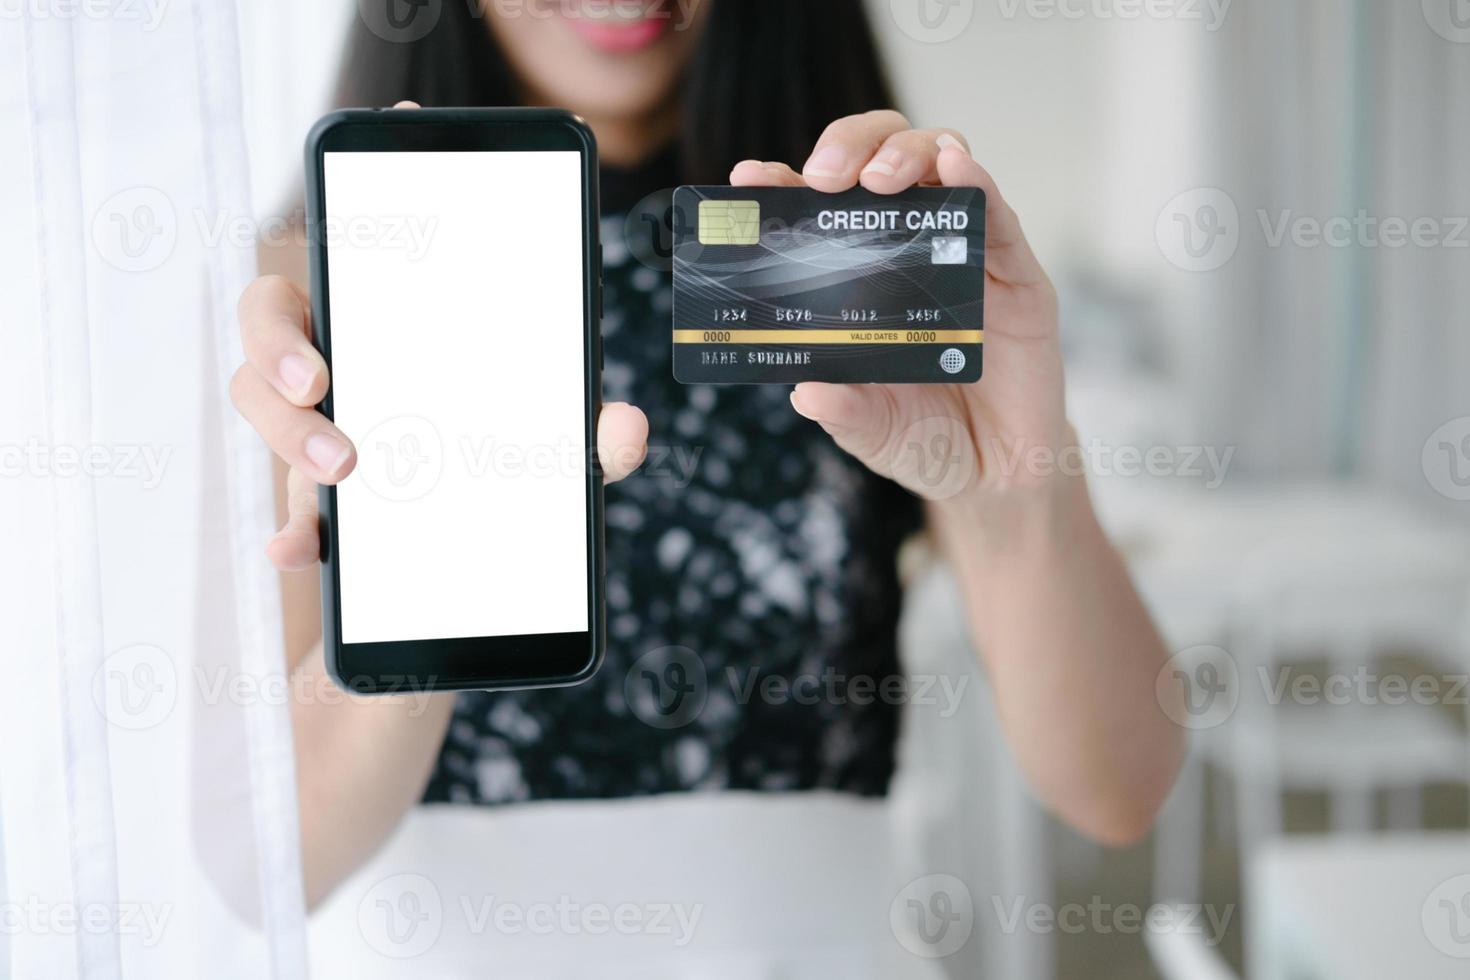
[(455, 292)]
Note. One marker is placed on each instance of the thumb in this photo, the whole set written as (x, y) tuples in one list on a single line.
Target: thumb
[(859, 417)]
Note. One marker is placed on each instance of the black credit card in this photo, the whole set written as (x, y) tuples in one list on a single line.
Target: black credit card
[(778, 285)]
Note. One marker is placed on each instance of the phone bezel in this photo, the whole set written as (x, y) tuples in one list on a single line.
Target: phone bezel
[(462, 663)]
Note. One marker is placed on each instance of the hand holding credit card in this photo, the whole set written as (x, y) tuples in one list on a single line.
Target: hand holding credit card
[(928, 430), (779, 285)]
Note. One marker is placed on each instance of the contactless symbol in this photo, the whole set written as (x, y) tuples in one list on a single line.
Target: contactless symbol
[(952, 361)]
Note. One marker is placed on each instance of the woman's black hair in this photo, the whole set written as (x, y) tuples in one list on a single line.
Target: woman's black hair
[(767, 77)]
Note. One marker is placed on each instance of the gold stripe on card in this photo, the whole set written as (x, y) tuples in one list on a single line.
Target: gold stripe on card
[(815, 336)]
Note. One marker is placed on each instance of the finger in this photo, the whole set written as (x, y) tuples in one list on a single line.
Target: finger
[(759, 173), (1008, 256), (622, 440), (303, 437), (297, 545), (905, 159), (859, 417), (275, 320), (847, 145), (406, 104)]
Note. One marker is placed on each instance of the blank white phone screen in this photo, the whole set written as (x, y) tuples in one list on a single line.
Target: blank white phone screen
[(455, 292)]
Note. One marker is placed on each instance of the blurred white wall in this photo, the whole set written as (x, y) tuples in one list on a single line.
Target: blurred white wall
[(1087, 124)]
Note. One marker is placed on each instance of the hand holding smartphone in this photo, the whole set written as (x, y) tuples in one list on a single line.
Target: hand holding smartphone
[(455, 296)]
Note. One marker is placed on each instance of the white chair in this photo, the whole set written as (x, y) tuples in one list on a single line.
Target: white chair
[(1349, 601), (1182, 956), (1335, 572)]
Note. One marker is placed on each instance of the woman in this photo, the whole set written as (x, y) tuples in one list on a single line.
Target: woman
[(778, 558)]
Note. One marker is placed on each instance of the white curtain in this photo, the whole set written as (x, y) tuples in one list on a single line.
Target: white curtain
[(1340, 360), (147, 811)]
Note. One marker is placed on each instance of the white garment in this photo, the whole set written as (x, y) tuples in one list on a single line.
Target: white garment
[(710, 887)]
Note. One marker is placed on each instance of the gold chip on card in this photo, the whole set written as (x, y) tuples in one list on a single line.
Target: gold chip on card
[(729, 222)]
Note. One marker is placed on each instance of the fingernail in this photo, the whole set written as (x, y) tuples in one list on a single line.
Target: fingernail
[(297, 373), (829, 161), (327, 453), (799, 410), (885, 163), (832, 428), (946, 140)]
